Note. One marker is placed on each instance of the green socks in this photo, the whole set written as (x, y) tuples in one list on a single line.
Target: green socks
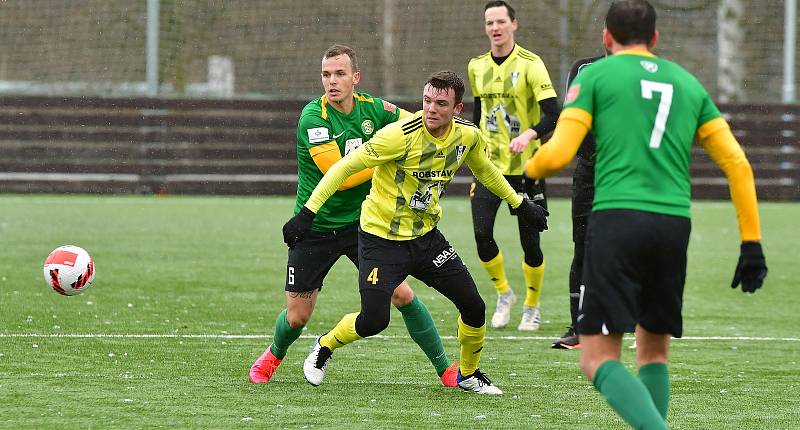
[(628, 396), (655, 377), (284, 336), (423, 331)]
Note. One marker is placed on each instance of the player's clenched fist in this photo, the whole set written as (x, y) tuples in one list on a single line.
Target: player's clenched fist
[(298, 226), (534, 214), (751, 269)]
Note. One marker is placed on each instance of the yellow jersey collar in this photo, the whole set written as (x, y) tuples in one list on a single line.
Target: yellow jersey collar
[(635, 51), (323, 103)]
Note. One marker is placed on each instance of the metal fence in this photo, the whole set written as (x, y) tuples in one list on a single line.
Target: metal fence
[(272, 49)]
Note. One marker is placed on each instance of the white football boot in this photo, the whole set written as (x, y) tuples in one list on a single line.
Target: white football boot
[(502, 312), (478, 382), (531, 318), (316, 362)]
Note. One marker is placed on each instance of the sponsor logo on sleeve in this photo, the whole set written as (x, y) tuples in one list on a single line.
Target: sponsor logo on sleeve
[(572, 94), (317, 135), (389, 107)]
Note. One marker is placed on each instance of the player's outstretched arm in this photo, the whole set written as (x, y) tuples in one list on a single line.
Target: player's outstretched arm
[(717, 139)]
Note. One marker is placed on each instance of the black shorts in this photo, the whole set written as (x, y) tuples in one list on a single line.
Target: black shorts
[(582, 198), (633, 272), (530, 188), (384, 263), (312, 258)]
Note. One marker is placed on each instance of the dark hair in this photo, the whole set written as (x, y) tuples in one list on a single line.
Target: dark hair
[(446, 79), (337, 50), (501, 3), (631, 21)]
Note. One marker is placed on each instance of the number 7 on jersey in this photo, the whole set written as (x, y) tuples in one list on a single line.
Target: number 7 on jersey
[(648, 88)]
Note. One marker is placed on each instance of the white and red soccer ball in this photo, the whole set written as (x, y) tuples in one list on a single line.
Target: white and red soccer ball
[(69, 270)]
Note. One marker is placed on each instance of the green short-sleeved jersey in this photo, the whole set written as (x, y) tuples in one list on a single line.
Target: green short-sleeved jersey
[(320, 124), (645, 113), (510, 93)]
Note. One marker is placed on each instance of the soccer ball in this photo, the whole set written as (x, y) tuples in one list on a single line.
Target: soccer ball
[(69, 270)]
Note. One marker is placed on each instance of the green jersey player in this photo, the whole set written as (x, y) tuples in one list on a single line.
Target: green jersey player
[(645, 113), (330, 127)]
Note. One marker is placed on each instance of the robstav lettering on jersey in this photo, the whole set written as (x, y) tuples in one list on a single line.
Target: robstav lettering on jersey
[(412, 171)]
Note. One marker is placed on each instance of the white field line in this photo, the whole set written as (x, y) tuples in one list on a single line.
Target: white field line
[(308, 336)]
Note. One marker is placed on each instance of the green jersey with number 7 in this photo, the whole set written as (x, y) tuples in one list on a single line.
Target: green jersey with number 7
[(645, 111)]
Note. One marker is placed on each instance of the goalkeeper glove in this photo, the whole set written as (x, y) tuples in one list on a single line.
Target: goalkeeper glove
[(751, 269), (298, 226), (534, 214)]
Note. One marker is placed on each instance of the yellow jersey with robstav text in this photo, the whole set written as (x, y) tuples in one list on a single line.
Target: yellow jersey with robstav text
[(412, 170), (510, 93)]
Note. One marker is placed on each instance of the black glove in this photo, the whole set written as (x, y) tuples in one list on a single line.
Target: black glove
[(535, 189), (534, 214), (296, 228), (751, 269)]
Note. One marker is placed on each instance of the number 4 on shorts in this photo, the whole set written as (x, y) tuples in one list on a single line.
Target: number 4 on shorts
[(373, 276)]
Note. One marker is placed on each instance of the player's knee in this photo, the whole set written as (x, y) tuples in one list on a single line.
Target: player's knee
[(371, 325), (651, 347), (587, 367), (534, 258), (487, 248), (482, 235), (402, 295), (297, 319), (650, 358), (474, 313)]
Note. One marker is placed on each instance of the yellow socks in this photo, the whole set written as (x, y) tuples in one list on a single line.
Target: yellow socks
[(497, 272), (534, 277), (342, 334), (471, 340)]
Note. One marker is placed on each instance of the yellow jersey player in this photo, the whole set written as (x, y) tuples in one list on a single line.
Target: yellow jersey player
[(331, 126), (515, 104), (645, 113), (414, 160)]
